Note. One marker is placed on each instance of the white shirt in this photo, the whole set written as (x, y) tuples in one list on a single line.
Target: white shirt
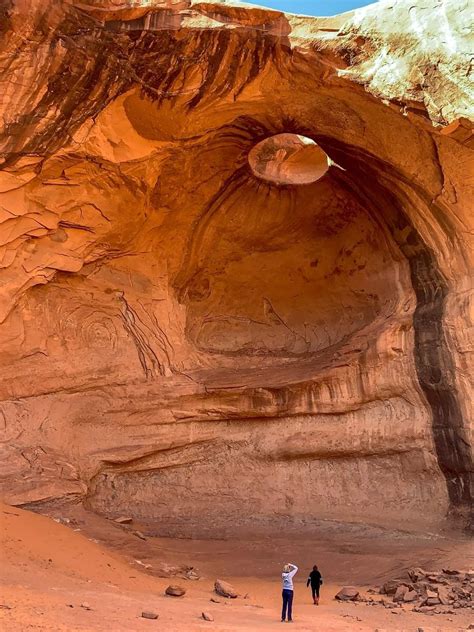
[(288, 578)]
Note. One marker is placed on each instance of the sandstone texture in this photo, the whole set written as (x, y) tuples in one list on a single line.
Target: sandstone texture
[(208, 328)]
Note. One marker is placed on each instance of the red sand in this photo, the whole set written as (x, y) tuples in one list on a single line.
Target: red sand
[(49, 570)]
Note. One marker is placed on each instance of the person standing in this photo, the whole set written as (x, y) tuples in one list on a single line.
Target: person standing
[(289, 571), (315, 579)]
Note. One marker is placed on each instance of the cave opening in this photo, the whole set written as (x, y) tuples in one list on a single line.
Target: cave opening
[(288, 159)]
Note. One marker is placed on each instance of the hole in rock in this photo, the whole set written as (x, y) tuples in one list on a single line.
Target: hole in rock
[(288, 159)]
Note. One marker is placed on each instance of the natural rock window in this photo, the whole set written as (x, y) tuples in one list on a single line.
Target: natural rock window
[(288, 159)]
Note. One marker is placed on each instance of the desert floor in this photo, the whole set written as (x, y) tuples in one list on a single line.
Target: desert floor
[(51, 570)]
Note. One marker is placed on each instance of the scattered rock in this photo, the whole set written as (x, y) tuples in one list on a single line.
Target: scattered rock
[(225, 589), (162, 569), (430, 589), (207, 616), (139, 534), (400, 593), (444, 595), (390, 587), (432, 601), (149, 615), (85, 605), (214, 600), (409, 596), (415, 574), (123, 520), (437, 578), (347, 593), (175, 591), (246, 596), (425, 609), (147, 566)]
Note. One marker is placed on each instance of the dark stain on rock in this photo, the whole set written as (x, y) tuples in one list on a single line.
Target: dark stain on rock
[(434, 362)]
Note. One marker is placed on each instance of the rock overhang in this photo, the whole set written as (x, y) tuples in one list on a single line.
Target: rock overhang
[(128, 191)]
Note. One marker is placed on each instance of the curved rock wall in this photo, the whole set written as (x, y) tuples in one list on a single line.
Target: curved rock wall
[(186, 341)]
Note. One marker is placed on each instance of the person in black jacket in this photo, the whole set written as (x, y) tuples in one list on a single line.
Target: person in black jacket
[(315, 579)]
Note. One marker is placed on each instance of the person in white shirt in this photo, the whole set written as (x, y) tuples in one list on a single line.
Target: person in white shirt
[(289, 571)]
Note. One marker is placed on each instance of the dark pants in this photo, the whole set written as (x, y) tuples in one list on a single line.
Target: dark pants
[(287, 603), (315, 590)]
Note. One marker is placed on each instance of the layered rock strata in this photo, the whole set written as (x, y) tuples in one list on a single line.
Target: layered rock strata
[(204, 340)]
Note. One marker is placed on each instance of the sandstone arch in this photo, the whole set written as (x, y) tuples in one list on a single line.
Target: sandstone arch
[(170, 321)]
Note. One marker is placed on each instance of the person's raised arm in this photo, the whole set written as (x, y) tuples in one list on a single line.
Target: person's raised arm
[(293, 572)]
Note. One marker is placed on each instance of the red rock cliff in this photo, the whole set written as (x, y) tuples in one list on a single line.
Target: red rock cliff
[(202, 338)]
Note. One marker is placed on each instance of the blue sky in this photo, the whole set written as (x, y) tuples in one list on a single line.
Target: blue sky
[(312, 7)]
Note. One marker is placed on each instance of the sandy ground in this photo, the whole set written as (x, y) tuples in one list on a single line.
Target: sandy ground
[(48, 570)]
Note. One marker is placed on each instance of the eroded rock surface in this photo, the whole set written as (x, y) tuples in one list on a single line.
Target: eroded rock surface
[(184, 340)]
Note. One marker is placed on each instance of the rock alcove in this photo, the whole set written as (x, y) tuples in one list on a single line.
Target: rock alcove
[(207, 320)]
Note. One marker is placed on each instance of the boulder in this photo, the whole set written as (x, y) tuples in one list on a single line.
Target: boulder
[(175, 591), (445, 595), (225, 589), (390, 587), (410, 595), (400, 593), (347, 593)]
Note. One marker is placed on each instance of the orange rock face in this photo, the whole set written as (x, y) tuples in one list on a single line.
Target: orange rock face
[(235, 261)]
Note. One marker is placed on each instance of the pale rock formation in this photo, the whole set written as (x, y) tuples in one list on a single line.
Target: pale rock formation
[(183, 340)]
